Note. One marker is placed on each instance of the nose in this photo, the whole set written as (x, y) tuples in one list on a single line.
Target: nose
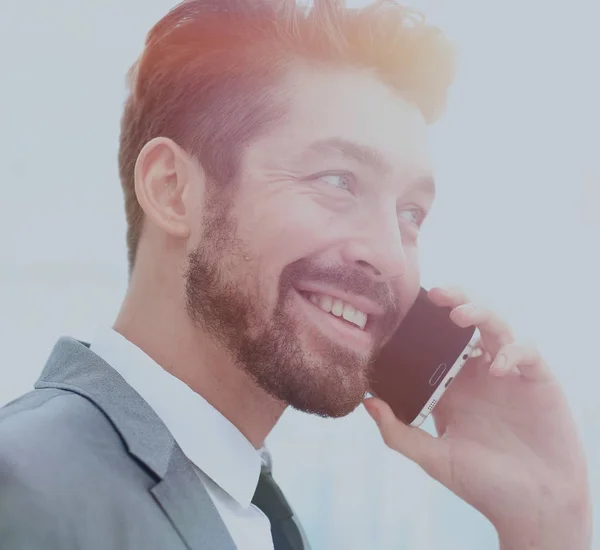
[(378, 248)]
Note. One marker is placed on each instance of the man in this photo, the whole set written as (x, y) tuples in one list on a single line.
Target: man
[(274, 163)]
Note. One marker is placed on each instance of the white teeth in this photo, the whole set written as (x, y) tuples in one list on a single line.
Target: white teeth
[(325, 302), (360, 319), (339, 309), (348, 312)]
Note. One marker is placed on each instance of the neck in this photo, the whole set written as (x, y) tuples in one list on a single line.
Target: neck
[(159, 325)]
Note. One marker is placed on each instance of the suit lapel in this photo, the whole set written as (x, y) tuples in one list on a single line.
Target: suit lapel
[(185, 501), (72, 366)]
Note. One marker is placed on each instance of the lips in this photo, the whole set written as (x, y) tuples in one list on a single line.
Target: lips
[(357, 301), (336, 329), (337, 308)]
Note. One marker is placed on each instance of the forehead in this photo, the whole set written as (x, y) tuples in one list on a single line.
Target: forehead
[(350, 106)]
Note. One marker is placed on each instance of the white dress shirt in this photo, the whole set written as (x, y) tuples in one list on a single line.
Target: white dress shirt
[(227, 463)]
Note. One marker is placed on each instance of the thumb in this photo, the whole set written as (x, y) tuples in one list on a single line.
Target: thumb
[(415, 444)]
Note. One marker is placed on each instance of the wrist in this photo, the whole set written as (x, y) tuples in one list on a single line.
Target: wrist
[(568, 526)]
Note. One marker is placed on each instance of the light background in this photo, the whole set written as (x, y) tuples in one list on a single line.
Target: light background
[(516, 224)]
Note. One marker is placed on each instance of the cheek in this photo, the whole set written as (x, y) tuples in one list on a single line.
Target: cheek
[(411, 282), (411, 253), (289, 233)]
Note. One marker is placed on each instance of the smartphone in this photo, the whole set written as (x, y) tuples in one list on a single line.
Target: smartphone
[(421, 360)]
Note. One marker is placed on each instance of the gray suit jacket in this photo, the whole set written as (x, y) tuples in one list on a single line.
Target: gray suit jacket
[(85, 463)]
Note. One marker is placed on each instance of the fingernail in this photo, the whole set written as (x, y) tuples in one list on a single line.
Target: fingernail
[(499, 363), (374, 412), (467, 309)]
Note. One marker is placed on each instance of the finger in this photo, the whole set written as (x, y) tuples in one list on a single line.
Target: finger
[(415, 444), (523, 358), (494, 331), (450, 296), (479, 352)]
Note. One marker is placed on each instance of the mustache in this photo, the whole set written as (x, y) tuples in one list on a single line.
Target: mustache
[(349, 279)]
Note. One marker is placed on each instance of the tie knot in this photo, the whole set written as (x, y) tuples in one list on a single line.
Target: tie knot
[(267, 461)]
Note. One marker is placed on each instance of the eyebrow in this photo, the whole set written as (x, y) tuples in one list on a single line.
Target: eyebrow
[(425, 185), (352, 150), (369, 156)]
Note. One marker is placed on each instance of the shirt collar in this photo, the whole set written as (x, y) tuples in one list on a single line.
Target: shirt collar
[(205, 436)]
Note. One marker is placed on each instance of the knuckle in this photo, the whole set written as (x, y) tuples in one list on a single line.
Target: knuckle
[(505, 331), (511, 347), (485, 313), (532, 352), (524, 351), (531, 347), (457, 293), (512, 350), (455, 289), (387, 439)]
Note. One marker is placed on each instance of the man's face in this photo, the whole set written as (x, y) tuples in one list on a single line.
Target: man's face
[(308, 267)]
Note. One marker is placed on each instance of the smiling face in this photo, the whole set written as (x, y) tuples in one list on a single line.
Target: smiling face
[(307, 267)]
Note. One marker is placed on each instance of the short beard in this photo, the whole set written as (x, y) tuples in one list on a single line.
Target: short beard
[(331, 382)]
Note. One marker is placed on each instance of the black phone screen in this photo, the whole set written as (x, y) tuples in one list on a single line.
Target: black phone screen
[(418, 357)]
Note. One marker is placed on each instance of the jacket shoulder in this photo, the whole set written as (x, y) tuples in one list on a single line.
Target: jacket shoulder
[(38, 425), (66, 477), (62, 444)]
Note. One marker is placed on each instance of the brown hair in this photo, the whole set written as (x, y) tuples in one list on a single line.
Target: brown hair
[(208, 75)]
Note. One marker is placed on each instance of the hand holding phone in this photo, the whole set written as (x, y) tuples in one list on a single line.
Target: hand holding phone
[(421, 360), (507, 443)]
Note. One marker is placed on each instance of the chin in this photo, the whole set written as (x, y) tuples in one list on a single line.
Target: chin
[(326, 407), (305, 367), (330, 389)]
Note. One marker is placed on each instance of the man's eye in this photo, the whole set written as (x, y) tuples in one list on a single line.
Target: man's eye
[(337, 180), (414, 215)]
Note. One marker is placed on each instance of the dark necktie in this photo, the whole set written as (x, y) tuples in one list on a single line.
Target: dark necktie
[(287, 533)]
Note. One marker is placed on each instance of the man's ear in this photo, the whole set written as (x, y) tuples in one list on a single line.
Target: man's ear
[(164, 174)]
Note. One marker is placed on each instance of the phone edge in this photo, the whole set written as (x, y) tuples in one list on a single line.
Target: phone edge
[(452, 372)]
